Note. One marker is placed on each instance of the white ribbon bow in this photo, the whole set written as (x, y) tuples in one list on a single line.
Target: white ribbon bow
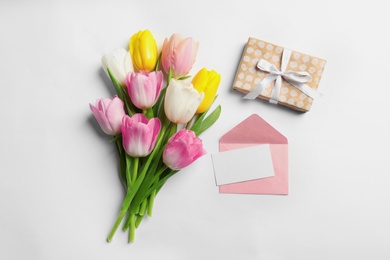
[(295, 78)]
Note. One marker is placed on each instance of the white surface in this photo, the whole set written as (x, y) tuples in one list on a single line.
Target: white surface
[(243, 164), (59, 186)]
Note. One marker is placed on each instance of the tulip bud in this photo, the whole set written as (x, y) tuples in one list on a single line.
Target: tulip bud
[(119, 64), (143, 50), (182, 149), (139, 134), (109, 113), (178, 54), (144, 88), (207, 82), (181, 101)]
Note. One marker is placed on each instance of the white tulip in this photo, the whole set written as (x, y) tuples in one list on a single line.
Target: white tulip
[(181, 101), (119, 63)]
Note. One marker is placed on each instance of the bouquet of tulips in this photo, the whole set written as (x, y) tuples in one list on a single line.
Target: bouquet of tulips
[(155, 118)]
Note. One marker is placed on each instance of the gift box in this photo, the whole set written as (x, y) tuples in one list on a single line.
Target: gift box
[(279, 75)]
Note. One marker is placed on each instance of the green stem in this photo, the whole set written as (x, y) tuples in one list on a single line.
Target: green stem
[(159, 173), (128, 170), (148, 113), (151, 203), (158, 62), (134, 188), (135, 169), (132, 177), (132, 228), (143, 207), (191, 122), (122, 162), (138, 221), (127, 222), (172, 129), (169, 75), (143, 191), (157, 185), (125, 206), (130, 108)]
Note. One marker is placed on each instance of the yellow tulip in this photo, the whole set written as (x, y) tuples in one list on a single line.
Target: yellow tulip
[(207, 82), (143, 50)]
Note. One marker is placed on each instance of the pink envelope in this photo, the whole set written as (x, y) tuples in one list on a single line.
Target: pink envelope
[(255, 131)]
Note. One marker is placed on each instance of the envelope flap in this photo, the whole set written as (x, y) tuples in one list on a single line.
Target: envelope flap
[(254, 129)]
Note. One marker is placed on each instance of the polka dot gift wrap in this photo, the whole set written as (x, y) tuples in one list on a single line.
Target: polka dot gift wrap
[(248, 75)]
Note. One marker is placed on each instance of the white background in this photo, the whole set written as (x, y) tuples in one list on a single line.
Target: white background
[(59, 186)]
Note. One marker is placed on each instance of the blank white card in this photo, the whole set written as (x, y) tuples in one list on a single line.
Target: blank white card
[(242, 164)]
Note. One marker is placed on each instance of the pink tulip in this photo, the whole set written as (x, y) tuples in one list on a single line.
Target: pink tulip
[(179, 54), (144, 88), (183, 148), (109, 113), (139, 134)]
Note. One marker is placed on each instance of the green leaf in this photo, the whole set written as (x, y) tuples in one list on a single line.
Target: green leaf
[(199, 120), (116, 138), (145, 186), (149, 168), (158, 62), (153, 172), (130, 108), (160, 183), (126, 204), (122, 161), (123, 95), (208, 122), (184, 77), (169, 75), (159, 104), (117, 84)]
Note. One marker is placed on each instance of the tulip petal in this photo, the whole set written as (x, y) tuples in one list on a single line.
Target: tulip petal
[(115, 113), (109, 113), (144, 136), (139, 134), (208, 82), (176, 156), (182, 149), (165, 56), (184, 57), (102, 120), (118, 63), (154, 125), (200, 80), (159, 84), (143, 50), (179, 54), (144, 88), (140, 118), (181, 101), (128, 64)]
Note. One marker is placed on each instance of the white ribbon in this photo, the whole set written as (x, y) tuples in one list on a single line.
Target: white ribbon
[(295, 78)]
